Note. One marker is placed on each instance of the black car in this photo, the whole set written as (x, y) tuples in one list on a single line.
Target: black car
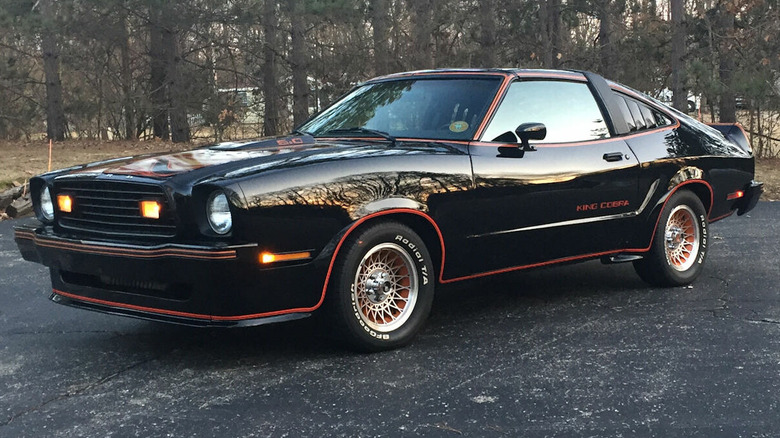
[(408, 181)]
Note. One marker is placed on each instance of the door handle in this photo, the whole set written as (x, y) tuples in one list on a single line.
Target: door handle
[(613, 156)]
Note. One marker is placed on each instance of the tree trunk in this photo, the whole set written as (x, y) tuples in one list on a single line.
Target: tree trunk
[(487, 34), (157, 94), (555, 34), (126, 74), (379, 19), (550, 30), (727, 108), (174, 82), (299, 62), (422, 56), (270, 87), (544, 31), (180, 128), (605, 39), (55, 114), (679, 94), (652, 8)]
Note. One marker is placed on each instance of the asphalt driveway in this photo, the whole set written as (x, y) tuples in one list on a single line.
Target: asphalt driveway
[(580, 350)]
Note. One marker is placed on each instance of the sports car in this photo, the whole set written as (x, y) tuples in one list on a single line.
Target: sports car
[(407, 182)]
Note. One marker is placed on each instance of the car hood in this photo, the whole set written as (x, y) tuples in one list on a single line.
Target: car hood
[(166, 165), (235, 159)]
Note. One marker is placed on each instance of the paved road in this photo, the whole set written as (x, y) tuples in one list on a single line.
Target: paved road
[(581, 350)]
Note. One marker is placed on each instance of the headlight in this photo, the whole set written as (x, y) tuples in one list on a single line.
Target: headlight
[(47, 207), (218, 212)]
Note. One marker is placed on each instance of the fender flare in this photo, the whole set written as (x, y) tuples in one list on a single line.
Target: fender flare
[(338, 241)]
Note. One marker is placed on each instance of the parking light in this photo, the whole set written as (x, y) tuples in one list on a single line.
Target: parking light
[(267, 257), (65, 203), (150, 209)]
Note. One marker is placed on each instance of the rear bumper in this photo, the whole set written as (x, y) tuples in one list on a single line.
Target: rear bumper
[(750, 199), (200, 285)]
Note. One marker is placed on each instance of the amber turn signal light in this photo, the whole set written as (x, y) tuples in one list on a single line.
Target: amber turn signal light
[(267, 257), (65, 203), (150, 209), (736, 195)]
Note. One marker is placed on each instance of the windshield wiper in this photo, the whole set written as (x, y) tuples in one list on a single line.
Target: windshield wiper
[(357, 130), (300, 132)]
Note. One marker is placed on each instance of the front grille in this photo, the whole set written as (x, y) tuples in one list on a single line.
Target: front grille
[(112, 208)]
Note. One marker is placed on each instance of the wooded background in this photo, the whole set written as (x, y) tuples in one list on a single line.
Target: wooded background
[(138, 69)]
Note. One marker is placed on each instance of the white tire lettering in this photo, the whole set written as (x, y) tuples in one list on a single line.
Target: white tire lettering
[(414, 250)]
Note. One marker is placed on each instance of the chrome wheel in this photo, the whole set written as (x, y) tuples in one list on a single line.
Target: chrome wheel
[(681, 238), (679, 247), (386, 287)]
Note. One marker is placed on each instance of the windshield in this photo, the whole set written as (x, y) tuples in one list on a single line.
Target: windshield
[(438, 108)]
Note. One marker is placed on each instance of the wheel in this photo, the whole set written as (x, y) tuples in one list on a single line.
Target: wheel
[(679, 247), (383, 287)]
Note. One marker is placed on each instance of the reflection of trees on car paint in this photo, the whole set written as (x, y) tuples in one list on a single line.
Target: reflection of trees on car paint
[(353, 192), (360, 107)]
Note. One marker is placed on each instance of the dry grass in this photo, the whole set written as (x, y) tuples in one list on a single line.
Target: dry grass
[(19, 160), (768, 172)]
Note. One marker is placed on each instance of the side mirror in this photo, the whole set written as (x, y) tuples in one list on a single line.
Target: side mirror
[(530, 131)]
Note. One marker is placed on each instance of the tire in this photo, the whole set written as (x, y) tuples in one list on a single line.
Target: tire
[(371, 310), (679, 247)]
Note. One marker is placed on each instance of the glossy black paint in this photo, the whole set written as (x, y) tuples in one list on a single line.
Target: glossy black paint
[(482, 208), (538, 201)]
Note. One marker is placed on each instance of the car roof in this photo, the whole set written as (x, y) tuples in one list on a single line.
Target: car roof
[(561, 74)]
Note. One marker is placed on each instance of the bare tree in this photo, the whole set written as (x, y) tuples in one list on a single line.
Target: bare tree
[(157, 57), (422, 55), (177, 92), (487, 34), (727, 108), (132, 68), (128, 109), (299, 62), (605, 37), (550, 31), (270, 85), (679, 94), (55, 115), (379, 20)]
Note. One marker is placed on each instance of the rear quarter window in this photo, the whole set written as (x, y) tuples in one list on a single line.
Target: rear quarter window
[(640, 116)]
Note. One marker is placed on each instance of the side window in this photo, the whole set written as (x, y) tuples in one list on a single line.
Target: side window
[(639, 116), (567, 109)]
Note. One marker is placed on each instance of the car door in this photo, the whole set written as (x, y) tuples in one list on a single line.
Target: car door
[(570, 197)]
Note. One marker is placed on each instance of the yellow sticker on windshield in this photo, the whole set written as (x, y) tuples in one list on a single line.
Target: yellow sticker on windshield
[(459, 126)]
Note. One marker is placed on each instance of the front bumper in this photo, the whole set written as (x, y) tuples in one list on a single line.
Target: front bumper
[(750, 198), (201, 285)]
